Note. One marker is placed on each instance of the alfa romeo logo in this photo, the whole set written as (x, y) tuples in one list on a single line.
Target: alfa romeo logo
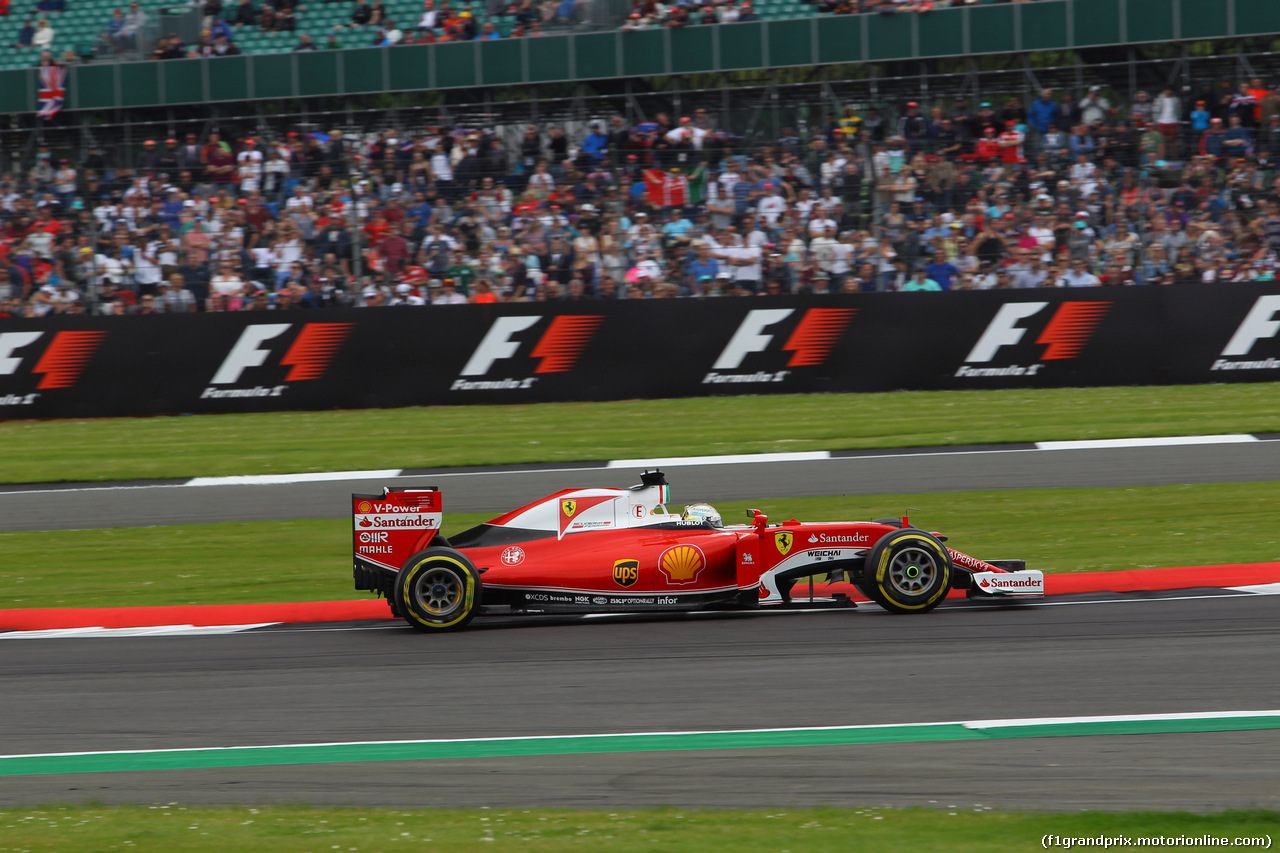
[(512, 556)]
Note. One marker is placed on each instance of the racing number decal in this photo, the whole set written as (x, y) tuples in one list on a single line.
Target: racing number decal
[(568, 508), (626, 572), (783, 541)]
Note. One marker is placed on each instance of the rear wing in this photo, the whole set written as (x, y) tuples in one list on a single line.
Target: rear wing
[(389, 528)]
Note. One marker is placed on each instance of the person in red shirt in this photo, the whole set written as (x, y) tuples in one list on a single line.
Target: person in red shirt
[(987, 149), (1011, 144), (1259, 93), (394, 249), (377, 228)]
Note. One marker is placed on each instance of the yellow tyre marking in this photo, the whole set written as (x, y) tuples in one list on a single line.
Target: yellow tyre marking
[(884, 564), (468, 599)]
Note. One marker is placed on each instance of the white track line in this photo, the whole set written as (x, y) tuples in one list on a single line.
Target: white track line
[(287, 479), (1171, 441), (1258, 589), (729, 459)]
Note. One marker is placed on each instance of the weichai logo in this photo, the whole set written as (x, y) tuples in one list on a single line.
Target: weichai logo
[(58, 365), (1260, 324), (256, 357), (810, 343), (1063, 336), (510, 347)]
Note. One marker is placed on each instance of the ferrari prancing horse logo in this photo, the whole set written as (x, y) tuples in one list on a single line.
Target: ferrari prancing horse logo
[(568, 508), (783, 541)]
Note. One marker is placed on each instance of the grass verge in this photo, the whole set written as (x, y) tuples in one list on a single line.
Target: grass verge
[(1056, 530), (291, 829), (291, 442)]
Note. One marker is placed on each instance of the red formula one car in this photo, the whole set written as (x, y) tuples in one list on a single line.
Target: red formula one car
[(608, 550)]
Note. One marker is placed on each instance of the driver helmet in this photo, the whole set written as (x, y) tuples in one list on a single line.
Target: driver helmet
[(703, 512)]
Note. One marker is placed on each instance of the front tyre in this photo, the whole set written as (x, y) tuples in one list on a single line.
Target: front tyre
[(438, 590), (908, 571)]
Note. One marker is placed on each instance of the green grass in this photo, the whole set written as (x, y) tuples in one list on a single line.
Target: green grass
[(293, 829), (285, 442), (1056, 530)]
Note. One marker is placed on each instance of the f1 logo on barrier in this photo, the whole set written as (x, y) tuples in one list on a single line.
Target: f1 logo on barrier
[(307, 357), (558, 349), (1063, 337), (1258, 325), (810, 342), (59, 366)]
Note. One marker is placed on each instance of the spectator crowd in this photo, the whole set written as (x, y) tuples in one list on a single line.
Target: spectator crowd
[(946, 196)]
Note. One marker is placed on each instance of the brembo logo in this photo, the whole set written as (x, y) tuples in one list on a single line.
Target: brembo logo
[(1063, 337), (809, 343), (59, 366), (558, 349), (1259, 324), (307, 357)]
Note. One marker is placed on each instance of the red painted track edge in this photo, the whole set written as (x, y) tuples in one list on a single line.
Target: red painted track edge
[(43, 619)]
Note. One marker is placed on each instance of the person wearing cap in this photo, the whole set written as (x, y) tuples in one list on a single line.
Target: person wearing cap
[(1094, 106), (1212, 141), (148, 160), (911, 127), (405, 296), (448, 294)]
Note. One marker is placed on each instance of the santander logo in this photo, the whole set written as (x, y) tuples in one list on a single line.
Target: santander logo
[(1013, 583)]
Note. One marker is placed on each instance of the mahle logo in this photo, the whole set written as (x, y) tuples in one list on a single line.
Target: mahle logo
[(1064, 336), (557, 350), (1260, 324), (810, 343), (307, 357)]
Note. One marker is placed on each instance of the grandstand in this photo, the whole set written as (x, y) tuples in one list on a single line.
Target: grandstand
[(773, 113)]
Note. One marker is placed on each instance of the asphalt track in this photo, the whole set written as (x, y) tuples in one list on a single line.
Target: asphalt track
[(498, 490), (668, 674), (335, 683)]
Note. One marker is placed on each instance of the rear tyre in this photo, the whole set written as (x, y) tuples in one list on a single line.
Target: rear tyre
[(438, 590), (908, 571)]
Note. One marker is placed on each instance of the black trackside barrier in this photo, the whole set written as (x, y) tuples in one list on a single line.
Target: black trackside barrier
[(591, 350)]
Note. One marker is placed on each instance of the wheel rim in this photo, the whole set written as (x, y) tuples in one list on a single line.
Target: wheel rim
[(438, 592), (912, 571)]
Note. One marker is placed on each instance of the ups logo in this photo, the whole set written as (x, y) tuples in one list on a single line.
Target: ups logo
[(626, 572)]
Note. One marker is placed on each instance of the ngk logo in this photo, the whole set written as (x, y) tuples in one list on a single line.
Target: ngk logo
[(1260, 324), (810, 342), (556, 350), (307, 357), (59, 365), (1065, 334)]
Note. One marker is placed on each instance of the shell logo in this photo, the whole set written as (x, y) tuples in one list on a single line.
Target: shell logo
[(365, 506), (682, 563)]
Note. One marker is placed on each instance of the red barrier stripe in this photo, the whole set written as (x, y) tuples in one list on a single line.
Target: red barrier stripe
[(43, 619)]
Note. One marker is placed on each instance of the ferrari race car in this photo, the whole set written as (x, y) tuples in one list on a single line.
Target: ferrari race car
[(610, 550)]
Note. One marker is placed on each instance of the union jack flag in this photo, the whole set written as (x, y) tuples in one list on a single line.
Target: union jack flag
[(53, 90)]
